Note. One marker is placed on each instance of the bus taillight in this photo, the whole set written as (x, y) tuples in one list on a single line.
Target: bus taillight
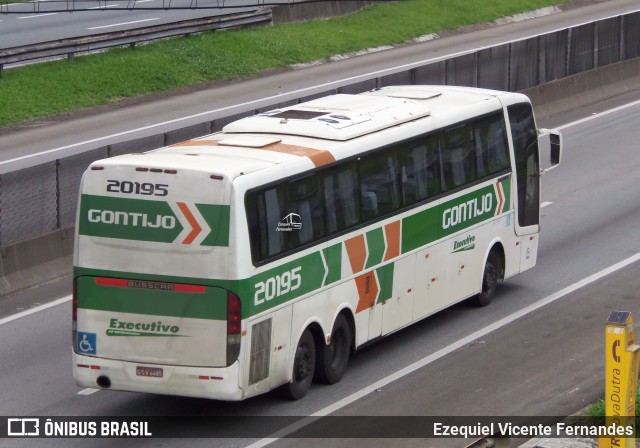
[(234, 326)]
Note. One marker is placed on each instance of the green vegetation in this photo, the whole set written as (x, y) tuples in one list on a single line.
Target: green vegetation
[(55, 87), (597, 410)]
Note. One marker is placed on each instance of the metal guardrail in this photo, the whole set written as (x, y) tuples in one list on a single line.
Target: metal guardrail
[(72, 46)]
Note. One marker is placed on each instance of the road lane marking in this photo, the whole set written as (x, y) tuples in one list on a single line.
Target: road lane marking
[(88, 391), (105, 6), (35, 309), (444, 351), (122, 23), (38, 15), (598, 115), (545, 204)]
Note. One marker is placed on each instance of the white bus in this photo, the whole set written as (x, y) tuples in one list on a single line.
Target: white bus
[(261, 256)]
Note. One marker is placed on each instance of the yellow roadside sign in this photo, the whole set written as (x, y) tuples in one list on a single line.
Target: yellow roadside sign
[(621, 378)]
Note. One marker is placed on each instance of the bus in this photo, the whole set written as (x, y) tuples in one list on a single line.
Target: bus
[(262, 256)]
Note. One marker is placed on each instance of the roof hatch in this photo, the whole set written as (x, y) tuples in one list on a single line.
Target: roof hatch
[(336, 117)]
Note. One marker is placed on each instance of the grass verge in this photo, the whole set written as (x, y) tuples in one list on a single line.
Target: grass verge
[(51, 88), (597, 410)]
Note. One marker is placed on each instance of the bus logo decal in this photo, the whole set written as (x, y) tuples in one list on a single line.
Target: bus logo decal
[(466, 244), (155, 221), (290, 222)]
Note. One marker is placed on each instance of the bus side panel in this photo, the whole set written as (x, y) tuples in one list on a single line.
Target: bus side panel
[(267, 355)]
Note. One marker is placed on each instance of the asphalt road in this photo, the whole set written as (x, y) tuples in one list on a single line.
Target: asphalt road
[(469, 361), (43, 21)]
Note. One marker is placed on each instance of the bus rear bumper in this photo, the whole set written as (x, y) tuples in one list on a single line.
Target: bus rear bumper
[(220, 383)]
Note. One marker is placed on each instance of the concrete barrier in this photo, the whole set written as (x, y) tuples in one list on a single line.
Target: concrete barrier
[(585, 88), (36, 261)]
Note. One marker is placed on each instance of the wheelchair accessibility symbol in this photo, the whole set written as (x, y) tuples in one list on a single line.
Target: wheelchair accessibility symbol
[(86, 343)]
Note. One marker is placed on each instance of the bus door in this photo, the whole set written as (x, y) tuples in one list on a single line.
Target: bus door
[(524, 136)]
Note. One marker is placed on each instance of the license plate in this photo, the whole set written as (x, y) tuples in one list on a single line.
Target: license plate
[(155, 372)]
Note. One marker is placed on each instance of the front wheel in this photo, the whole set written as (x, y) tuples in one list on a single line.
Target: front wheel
[(304, 363), (333, 358), (490, 277)]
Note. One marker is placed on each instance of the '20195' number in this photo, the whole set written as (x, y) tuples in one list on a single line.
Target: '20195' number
[(144, 188), (277, 286)]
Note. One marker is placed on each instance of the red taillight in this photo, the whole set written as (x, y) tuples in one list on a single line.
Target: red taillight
[(234, 327), (234, 314)]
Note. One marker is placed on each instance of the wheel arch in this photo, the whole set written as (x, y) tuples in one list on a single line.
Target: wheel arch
[(496, 246)]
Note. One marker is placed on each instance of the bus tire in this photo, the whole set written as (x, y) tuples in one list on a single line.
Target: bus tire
[(490, 277), (304, 362), (332, 359)]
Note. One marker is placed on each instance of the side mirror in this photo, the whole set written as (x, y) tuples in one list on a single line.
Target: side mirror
[(555, 139), (554, 145)]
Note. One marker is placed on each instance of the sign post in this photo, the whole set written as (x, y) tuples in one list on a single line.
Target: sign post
[(621, 379)]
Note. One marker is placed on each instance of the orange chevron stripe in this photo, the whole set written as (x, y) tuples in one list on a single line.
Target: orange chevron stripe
[(319, 157), (500, 199), (367, 291), (357, 252), (392, 234), (196, 229), (196, 143)]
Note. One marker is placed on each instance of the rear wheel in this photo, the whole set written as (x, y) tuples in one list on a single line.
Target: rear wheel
[(492, 273), (304, 363), (332, 359)]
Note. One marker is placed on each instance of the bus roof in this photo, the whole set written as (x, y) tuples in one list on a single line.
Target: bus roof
[(318, 129)]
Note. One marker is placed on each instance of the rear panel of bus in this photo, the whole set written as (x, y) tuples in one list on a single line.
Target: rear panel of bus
[(148, 312)]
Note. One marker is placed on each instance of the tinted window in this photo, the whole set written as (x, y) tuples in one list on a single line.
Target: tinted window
[(420, 169), (339, 185), (525, 147), (379, 192)]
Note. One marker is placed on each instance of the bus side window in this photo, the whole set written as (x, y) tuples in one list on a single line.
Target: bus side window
[(497, 145), (304, 201), (264, 210), (379, 189), (458, 158), (420, 170), (339, 185)]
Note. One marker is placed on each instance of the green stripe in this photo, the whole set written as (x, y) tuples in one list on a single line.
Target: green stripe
[(385, 278), (218, 218), (333, 258), (375, 247)]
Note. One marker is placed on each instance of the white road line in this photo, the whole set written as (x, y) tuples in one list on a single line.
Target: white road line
[(123, 23), (445, 351), (88, 391), (38, 15), (598, 115), (24, 313), (105, 6), (545, 204)]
